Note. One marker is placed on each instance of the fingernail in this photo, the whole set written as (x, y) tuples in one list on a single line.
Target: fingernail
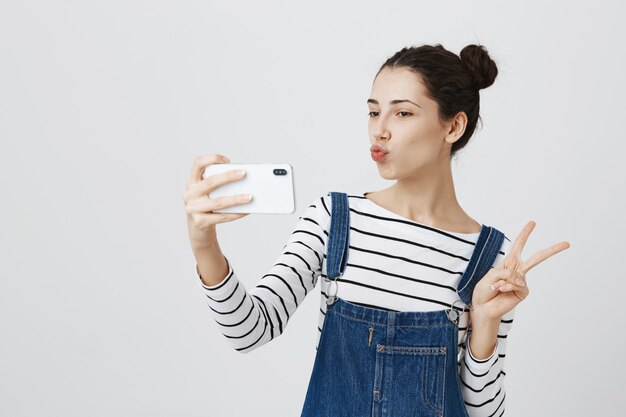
[(225, 159), (519, 281), (241, 172), (493, 287)]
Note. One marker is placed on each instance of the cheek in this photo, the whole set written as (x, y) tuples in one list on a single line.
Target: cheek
[(417, 150)]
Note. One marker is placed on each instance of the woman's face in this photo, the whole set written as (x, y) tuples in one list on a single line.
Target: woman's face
[(403, 120)]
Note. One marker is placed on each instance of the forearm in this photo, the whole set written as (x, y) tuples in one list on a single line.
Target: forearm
[(250, 319), (482, 366), (484, 335), (212, 265)]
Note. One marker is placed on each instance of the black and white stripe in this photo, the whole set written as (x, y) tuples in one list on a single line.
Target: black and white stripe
[(393, 263)]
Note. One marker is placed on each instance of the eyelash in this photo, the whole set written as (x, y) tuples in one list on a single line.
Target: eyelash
[(403, 117)]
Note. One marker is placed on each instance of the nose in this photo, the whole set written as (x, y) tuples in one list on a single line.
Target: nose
[(380, 131)]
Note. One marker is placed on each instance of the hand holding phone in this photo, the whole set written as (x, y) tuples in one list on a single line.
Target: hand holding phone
[(271, 187), (201, 219)]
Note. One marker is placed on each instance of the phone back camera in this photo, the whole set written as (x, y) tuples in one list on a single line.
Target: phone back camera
[(280, 171)]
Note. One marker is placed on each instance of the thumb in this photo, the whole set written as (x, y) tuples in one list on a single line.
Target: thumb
[(502, 274)]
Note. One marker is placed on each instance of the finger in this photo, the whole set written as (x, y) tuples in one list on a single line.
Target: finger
[(517, 279), (509, 287), (216, 217), (509, 276), (212, 182), (233, 216), (542, 255), (197, 169), (520, 240), (208, 206), (503, 274), (202, 189)]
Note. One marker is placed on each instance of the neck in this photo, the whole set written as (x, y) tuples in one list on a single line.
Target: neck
[(428, 196)]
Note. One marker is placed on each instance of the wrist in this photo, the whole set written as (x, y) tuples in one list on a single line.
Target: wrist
[(484, 325), (484, 335), (207, 240), (479, 315), (202, 248)]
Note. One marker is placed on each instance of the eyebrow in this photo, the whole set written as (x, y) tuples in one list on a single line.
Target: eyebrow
[(392, 102)]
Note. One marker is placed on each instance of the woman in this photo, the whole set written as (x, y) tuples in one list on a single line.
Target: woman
[(416, 323)]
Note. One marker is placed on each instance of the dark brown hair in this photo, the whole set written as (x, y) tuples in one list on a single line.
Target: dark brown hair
[(452, 81)]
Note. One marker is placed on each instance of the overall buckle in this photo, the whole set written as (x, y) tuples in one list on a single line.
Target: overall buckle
[(454, 315), (332, 298)]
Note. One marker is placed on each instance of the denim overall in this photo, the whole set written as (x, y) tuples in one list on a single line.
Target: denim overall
[(382, 363)]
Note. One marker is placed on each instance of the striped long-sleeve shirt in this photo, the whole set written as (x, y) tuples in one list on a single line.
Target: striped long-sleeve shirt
[(393, 263)]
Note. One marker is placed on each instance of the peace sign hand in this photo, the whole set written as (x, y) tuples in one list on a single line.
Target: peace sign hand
[(504, 286)]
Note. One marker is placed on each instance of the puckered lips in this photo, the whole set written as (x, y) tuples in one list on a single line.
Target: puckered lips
[(378, 152)]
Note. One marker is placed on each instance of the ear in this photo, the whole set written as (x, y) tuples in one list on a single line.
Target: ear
[(456, 127)]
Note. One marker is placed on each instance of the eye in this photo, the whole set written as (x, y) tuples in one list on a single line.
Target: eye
[(370, 113), (405, 112)]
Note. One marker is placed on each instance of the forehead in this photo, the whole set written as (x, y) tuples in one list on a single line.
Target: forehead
[(398, 83)]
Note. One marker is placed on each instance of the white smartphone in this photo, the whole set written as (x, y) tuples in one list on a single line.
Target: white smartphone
[(271, 186)]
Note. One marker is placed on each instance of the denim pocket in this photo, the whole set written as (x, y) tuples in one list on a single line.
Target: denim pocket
[(412, 372)]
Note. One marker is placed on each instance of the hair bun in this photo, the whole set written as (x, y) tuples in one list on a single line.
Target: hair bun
[(480, 65)]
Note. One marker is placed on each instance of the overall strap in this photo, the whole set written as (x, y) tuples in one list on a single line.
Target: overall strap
[(485, 253), (338, 238)]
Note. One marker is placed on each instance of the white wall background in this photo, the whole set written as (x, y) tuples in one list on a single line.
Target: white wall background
[(105, 104)]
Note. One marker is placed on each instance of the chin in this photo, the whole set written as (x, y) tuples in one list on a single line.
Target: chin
[(387, 174)]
